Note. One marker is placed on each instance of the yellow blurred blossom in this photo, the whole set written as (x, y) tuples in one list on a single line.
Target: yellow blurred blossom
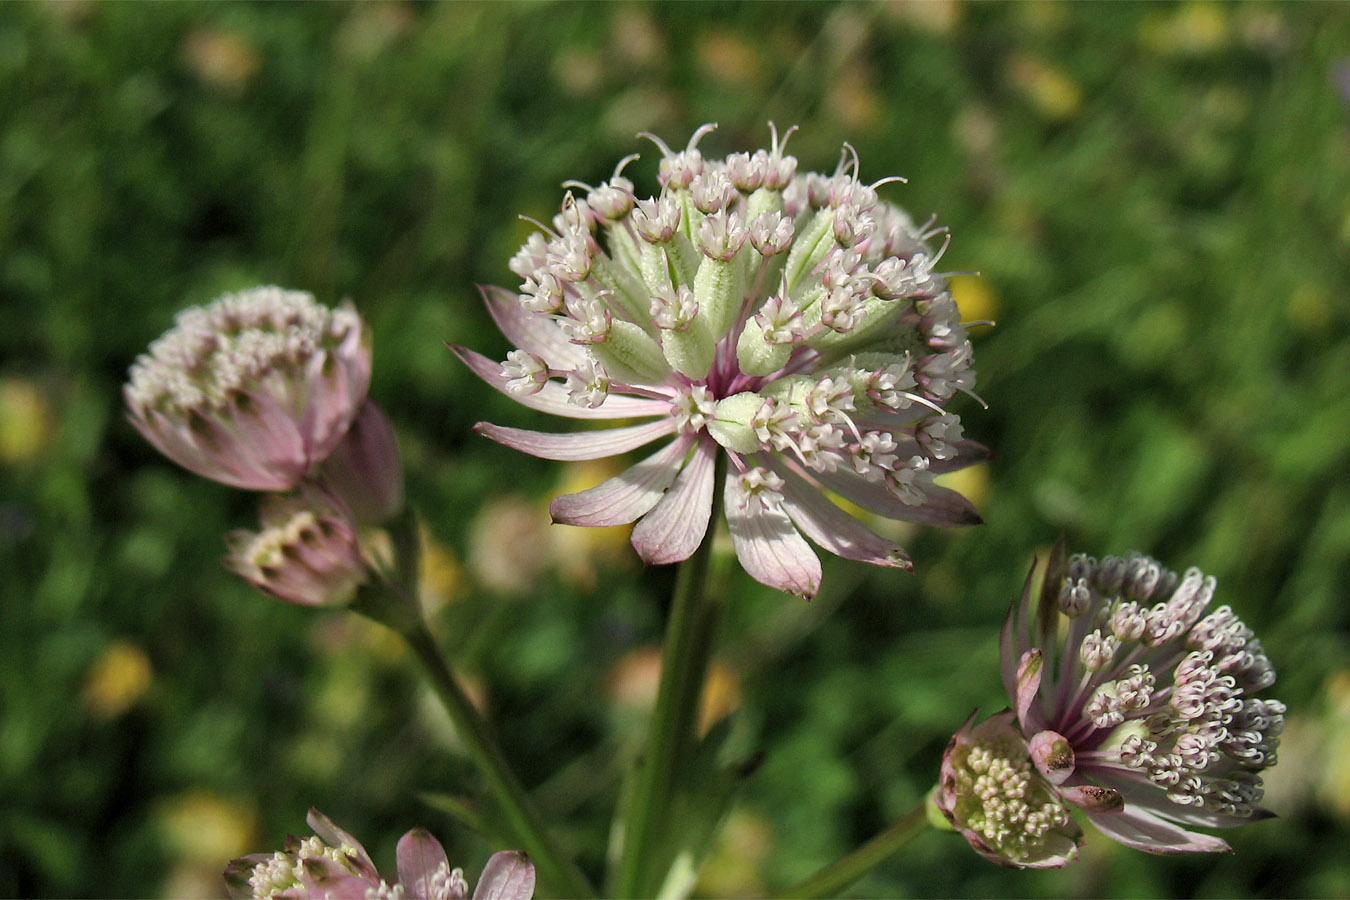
[(201, 826), (1292, 785), (578, 71), (509, 544), (25, 420), (635, 36), (633, 681), (1264, 28), (1333, 789), (850, 98), (442, 576), (975, 297), (735, 865), (222, 59), (971, 482), (1192, 29), (1049, 89), (721, 695), (937, 16), (580, 552), (118, 680), (1309, 308), (372, 28), (1044, 15), (726, 56)]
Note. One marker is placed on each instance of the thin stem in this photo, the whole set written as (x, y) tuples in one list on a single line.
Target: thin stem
[(390, 598), (832, 879), (672, 733), (524, 820)]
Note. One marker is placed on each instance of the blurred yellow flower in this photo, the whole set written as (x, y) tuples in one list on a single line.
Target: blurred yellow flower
[(735, 866), (975, 297), (727, 57), (1192, 29), (721, 695), (222, 59), (936, 16), (1309, 308), (633, 681), (635, 36), (971, 483), (508, 544), (442, 575), (1333, 789), (117, 680), (580, 552), (25, 420), (1050, 90), (850, 98), (203, 827)]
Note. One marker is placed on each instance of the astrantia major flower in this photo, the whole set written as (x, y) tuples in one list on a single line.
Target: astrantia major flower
[(253, 390), (1137, 703), (793, 323), (334, 864), (307, 552)]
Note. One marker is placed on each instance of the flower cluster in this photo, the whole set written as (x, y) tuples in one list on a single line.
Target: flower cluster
[(1140, 709), (333, 864), (266, 390), (306, 553), (253, 390), (992, 793), (794, 324)]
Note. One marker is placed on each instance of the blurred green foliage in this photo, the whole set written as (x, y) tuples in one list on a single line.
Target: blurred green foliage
[(1156, 197)]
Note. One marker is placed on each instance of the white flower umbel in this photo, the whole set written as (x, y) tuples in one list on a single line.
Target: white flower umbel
[(793, 323), (1138, 703), (253, 390)]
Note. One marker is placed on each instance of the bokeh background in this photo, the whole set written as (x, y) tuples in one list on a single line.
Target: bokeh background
[(1156, 197)]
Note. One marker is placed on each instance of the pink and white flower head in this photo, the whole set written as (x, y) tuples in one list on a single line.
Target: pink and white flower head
[(253, 390), (793, 324), (307, 552), (1137, 703), (333, 864)]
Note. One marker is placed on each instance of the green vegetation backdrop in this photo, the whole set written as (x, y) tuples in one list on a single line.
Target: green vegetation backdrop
[(1157, 198)]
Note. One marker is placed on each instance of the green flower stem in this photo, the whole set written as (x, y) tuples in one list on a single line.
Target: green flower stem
[(832, 879), (554, 868), (391, 600), (672, 732)]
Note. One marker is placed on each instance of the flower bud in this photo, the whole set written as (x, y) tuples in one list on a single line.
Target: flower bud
[(364, 470), (306, 552)]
